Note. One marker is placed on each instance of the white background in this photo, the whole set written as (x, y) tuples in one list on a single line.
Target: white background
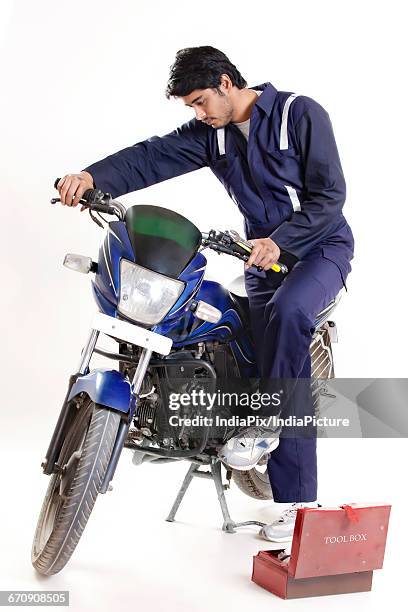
[(84, 79)]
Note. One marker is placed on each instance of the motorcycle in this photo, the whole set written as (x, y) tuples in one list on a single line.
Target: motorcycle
[(174, 330)]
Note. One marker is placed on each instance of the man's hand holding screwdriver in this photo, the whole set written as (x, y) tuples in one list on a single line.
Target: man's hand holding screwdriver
[(265, 253)]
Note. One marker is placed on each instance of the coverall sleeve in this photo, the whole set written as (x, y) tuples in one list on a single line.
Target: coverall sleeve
[(153, 160), (324, 190)]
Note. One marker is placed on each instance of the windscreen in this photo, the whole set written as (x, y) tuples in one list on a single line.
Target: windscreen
[(162, 240)]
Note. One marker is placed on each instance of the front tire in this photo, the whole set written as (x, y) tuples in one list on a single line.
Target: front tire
[(73, 490)]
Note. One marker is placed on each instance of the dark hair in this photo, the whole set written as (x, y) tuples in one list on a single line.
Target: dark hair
[(200, 68)]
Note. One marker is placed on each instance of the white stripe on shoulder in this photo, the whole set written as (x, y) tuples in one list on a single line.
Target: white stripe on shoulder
[(293, 197), (221, 141), (283, 143)]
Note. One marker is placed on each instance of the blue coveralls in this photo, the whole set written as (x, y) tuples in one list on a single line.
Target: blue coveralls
[(288, 183)]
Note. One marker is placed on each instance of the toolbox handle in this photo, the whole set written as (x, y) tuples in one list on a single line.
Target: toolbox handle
[(351, 513)]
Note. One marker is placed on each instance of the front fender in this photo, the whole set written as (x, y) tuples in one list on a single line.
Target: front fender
[(106, 387)]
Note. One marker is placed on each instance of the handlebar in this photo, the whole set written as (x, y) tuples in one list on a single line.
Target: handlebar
[(98, 201), (231, 243)]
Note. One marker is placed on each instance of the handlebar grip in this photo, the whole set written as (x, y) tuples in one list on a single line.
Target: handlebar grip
[(88, 195), (85, 195), (96, 200)]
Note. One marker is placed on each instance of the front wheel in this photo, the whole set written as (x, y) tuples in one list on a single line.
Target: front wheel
[(73, 490)]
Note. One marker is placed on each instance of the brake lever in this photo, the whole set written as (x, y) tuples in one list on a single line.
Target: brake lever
[(239, 240), (81, 201)]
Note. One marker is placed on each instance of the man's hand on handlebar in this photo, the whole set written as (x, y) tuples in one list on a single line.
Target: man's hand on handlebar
[(264, 254), (72, 187)]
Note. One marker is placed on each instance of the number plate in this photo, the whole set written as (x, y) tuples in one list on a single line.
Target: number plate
[(132, 333)]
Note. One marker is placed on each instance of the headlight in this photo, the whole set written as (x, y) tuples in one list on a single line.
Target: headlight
[(146, 296)]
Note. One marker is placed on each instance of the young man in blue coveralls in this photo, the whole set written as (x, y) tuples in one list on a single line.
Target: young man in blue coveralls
[(275, 154)]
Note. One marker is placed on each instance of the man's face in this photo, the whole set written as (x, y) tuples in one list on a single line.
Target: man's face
[(210, 106)]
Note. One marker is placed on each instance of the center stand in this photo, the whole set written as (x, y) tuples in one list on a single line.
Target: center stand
[(229, 526)]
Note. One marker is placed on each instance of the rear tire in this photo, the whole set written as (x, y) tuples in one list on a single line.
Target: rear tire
[(73, 490), (254, 483)]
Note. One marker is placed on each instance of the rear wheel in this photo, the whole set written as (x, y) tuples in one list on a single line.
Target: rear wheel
[(73, 490), (255, 482)]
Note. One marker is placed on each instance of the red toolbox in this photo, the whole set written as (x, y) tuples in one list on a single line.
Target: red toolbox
[(334, 550)]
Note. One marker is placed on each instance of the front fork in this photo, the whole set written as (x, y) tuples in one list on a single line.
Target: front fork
[(49, 463), (124, 425), (87, 351)]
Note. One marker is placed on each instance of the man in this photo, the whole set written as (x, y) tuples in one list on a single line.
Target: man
[(276, 156)]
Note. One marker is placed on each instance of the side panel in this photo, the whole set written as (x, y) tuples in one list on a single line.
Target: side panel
[(193, 277), (189, 329)]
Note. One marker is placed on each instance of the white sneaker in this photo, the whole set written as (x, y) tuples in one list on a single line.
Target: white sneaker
[(281, 530), (244, 453)]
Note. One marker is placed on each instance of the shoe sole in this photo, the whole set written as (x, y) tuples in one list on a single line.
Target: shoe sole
[(252, 465), (277, 540)]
